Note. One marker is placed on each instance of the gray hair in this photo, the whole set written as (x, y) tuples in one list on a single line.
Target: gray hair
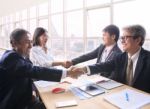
[(136, 31), (17, 34)]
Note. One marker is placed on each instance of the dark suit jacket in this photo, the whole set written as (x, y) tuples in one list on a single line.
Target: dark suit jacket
[(141, 78), (97, 53), (16, 75)]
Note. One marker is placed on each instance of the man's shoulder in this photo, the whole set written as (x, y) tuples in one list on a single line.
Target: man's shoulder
[(101, 47), (9, 54), (121, 56), (117, 49), (145, 53)]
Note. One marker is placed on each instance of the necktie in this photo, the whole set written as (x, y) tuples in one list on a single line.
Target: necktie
[(129, 73)]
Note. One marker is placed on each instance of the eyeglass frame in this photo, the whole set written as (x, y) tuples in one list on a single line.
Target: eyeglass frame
[(124, 38)]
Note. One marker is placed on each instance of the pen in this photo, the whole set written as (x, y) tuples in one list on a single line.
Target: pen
[(127, 97)]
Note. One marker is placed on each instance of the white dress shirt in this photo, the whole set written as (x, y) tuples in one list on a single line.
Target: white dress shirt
[(106, 52), (40, 58)]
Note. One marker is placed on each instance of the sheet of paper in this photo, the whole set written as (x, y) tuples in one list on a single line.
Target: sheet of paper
[(85, 80), (66, 103), (128, 99), (69, 80), (94, 78), (42, 83)]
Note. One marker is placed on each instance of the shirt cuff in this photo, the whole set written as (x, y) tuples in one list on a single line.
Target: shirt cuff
[(88, 70), (64, 74)]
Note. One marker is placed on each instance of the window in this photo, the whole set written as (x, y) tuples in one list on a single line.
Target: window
[(57, 25), (74, 47), (24, 24), (93, 43), (24, 14), (32, 26), (58, 48), (17, 25), (97, 19), (17, 17), (43, 23), (74, 24), (43, 9), (33, 12), (131, 15), (56, 6)]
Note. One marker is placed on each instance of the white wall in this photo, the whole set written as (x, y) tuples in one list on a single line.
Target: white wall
[(9, 6)]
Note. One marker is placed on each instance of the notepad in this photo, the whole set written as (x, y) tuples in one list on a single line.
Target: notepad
[(128, 99), (109, 84), (66, 103)]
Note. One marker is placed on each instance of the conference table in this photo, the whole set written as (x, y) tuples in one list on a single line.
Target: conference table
[(97, 102)]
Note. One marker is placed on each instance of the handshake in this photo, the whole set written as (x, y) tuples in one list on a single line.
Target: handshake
[(66, 64), (74, 71)]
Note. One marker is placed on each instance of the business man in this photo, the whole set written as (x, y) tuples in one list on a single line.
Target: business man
[(105, 52), (131, 67), (17, 71)]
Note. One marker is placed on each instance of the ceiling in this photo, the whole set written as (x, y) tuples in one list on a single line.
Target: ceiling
[(10, 6)]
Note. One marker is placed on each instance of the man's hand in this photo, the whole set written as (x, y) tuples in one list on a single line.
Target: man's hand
[(67, 64), (75, 72)]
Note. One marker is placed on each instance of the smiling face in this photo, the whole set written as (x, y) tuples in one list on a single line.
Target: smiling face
[(129, 43), (43, 39), (23, 46), (108, 39)]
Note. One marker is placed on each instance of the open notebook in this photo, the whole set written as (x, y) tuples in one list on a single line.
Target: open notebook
[(128, 99)]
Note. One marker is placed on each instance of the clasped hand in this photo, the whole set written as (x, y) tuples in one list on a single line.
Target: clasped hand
[(75, 72)]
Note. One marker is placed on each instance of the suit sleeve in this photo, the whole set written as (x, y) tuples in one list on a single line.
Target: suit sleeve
[(86, 57), (19, 68), (108, 66)]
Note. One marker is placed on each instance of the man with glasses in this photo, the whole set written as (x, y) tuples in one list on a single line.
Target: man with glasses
[(105, 52), (132, 67)]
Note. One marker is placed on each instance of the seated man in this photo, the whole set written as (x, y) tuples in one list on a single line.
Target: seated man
[(131, 67), (105, 52), (17, 71)]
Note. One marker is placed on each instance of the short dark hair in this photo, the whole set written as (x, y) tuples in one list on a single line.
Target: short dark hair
[(112, 30), (17, 34), (37, 33), (136, 31)]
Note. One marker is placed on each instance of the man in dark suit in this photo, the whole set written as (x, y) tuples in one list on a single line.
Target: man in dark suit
[(105, 52), (17, 71), (131, 67)]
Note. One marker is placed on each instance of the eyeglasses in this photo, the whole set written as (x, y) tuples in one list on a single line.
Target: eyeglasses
[(122, 38)]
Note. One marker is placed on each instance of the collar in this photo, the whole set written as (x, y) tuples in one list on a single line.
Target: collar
[(108, 48), (135, 56)]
